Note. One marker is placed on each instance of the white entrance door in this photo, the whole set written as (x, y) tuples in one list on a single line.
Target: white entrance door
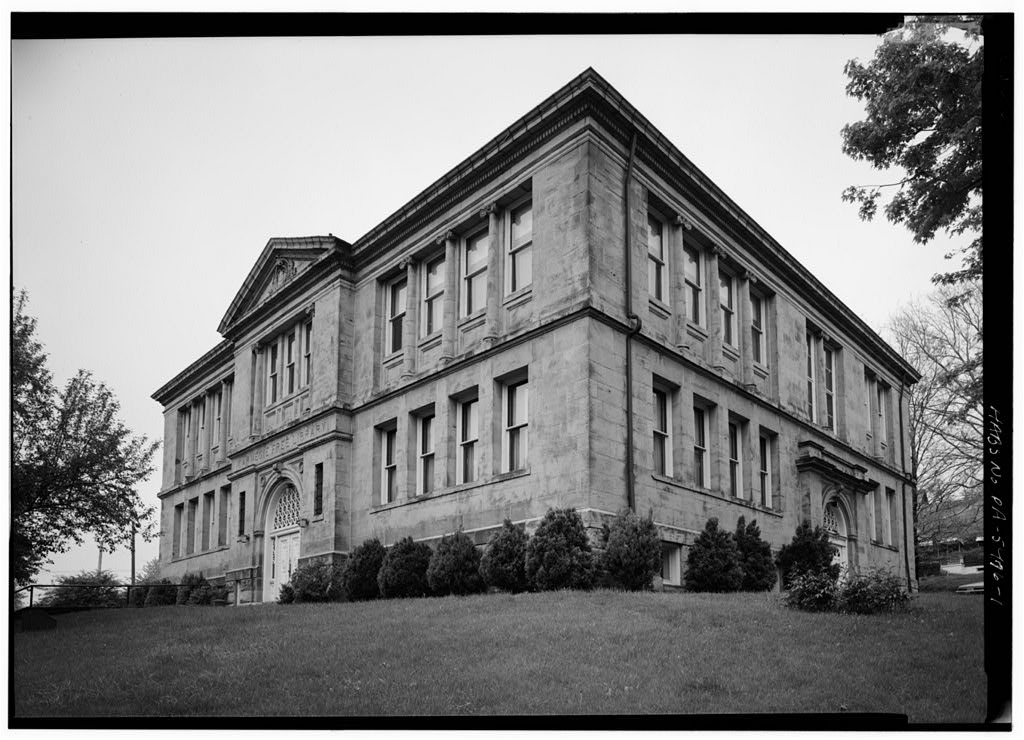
[(285, 560), (835, 525)]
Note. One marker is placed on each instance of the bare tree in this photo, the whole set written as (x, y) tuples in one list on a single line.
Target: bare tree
[(942, 338)]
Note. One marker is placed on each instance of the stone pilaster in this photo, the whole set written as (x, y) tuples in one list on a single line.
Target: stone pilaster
[(259, 389), (449, 306), (494, 283), (677, 262), (410, 326), (715, 309)]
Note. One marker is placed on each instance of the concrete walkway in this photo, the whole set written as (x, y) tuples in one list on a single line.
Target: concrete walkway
[(959, 570)]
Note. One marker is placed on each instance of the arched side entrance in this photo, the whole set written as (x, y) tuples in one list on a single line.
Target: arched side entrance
[(836, 521), (282, 540)]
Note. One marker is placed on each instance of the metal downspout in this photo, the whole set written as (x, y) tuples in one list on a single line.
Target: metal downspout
[(903, 485), (634, 328)]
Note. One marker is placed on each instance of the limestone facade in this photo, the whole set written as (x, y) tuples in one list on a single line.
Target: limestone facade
[(465, 362)]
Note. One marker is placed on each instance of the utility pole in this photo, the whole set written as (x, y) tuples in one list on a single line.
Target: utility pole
[(133, 553), (99, 565)]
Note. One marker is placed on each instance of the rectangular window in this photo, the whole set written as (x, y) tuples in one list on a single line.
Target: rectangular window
[(882, 427), (692, 277), (830, 381), (209, 520), (700, 435), (272, 373), (425, 452), (389, 466), (662, 432), (466, 434), (396, 314), (894, 516), (318, 489), (433, 295), (179, 514), (728, 312), (875, 509), (657, 270), (224, 516), (217, 399), (670, 562), (307, 353), (520, 248), (190, 524), (765, 467), (887, 516), (735, 456), (289, 368), (474, 273), (810, 376), (202, 426), (757, 343), (241, 513), (516, 426)]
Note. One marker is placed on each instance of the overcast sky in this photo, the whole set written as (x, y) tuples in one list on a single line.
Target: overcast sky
[(149, 174)]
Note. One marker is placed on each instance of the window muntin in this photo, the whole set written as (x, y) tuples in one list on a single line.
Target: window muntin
[(433, 295), (389, 466), (425, 454), (757, 343), (700, 449), (830, 400), (764, 443), (726, 297), (662, 432), (474, 273), (396, 293), (735, 456), (692, 278), (657, 269), (516, 426), (307, 352), (467, 435), (520, 248), (811, 379)]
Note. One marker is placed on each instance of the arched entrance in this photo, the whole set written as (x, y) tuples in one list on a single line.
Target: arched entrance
[(836, 523), (281, 549)]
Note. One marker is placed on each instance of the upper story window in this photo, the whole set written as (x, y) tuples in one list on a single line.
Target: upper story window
[(830, 388), (433, 295), (727, 300), (757, 322), (218, 398), (519, 259), (811, 376), (395, 311), (882, 423), (694, 292), (289, 362), (474, 273), (516, 406), (425, 454), (284, 373), (272, 374), (307, 352), (657, 258)]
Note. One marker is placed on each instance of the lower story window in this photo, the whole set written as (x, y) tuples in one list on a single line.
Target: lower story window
[(389, 466), (670, 563)]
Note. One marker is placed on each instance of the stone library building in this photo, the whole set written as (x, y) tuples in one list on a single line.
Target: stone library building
[(573, 316)]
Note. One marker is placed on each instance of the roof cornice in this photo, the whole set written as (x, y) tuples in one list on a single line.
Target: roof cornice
[(191, 374)]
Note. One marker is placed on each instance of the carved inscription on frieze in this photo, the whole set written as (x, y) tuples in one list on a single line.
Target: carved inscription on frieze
[(283, 444)]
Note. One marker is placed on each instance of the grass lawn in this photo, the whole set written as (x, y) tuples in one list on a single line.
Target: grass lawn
[(562, 652)]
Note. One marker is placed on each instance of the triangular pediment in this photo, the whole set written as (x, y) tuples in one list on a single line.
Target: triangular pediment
[(280, 264)]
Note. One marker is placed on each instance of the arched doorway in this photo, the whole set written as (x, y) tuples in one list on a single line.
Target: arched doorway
[(836, 523), (281, 551)]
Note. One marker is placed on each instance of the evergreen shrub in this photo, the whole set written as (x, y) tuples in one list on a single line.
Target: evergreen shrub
[(809, 552), (713, 563), (359, 576), (756, 562), (632, 551), (188, 582), (455, 567), (403, 573), (286, 595), (317, 581), (87, 588), (504, 561), (161, 593), (201, 594), (559, 555)]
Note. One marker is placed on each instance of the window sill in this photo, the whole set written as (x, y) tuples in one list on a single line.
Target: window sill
[(471, 322), (430, 341), (731, 352), (659, 308), (302, 392), (448, 491), (884, 546), (521, 296), (696, 330), (393, 360), (677, 483), (318, 518), (210, 551), (761, 370)]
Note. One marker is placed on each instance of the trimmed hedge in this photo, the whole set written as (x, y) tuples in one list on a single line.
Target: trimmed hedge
[(632, 551), (359, 576), (504, 561), (559, 555), (403, 573), (455, 567)]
